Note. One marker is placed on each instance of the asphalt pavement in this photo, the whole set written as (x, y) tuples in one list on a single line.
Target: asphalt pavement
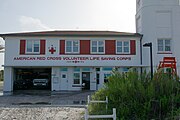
[(44, 97)]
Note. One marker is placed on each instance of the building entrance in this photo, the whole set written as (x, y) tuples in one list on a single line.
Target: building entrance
[(86, 80)]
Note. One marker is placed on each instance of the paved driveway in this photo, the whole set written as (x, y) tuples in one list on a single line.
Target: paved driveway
[(43, 97)]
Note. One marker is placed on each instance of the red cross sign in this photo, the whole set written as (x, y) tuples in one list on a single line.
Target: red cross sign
[(52, 50)]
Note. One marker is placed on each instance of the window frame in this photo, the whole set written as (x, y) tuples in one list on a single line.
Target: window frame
[(106, 76), (123, 47), (79, 78), (32, 46), (97, 42), (164, 45), (72, 47)]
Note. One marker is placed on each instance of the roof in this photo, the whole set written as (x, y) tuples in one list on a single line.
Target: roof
[(69, 33)]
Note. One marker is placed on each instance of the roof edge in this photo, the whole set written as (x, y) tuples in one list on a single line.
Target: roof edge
[(69, 33)]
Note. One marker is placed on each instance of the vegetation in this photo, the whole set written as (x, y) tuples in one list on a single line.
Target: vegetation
[(137, 97)]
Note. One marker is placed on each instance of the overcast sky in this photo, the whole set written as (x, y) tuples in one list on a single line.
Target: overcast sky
[(39, 15)]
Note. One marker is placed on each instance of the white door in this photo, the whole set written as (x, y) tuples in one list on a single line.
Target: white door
[(64, 82)]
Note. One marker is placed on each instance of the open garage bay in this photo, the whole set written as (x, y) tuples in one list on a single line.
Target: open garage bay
[(32, 79)]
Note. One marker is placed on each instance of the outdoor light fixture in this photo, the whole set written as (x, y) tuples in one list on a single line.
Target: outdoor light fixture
[(150, 45)]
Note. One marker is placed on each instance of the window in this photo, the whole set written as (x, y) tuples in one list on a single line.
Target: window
[(76, 79), (106, 77), (63, 75), (72, 46), (97, 69), (164, 45), (64, 69), (76, 76), (97, 78), (97, 47), (107, 69), (33, 46), (122, 47), (86, 69)]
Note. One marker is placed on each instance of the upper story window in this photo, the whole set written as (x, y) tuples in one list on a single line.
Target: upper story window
[(122, 47), (97, 47), (164, 45), (72, 46), (33, 46)]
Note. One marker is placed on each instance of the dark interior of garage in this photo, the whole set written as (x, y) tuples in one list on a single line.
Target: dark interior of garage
[(32, 79)]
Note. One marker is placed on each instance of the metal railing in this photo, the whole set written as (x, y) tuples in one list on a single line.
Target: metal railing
[(87, 116)]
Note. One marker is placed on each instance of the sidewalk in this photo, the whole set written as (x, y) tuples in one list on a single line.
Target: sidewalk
[(48, 98)]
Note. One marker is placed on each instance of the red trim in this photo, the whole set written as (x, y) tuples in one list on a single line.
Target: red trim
[(84, 46), (42, 47), (110, 47), (62, 46), (133, 47), (22, 47)]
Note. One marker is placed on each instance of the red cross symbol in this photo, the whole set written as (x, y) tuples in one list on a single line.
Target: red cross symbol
[(52, 50)]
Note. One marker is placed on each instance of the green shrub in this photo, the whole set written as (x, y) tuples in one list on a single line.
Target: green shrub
[(137, 97)]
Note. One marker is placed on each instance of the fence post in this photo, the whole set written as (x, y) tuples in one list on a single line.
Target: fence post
[(114, 113), (107, 99), (86, 114), (88, 99), (106, 103)]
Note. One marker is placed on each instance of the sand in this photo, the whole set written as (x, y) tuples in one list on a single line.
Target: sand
[(41, 113)]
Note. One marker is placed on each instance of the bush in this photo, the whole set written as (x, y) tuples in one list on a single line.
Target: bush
[(137, 97)]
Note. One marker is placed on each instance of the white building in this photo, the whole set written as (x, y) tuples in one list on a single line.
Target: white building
[(71, 60), (159, 22), (76, 60)]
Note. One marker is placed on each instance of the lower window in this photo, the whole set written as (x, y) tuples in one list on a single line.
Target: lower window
[(76, 79), (106, 76)]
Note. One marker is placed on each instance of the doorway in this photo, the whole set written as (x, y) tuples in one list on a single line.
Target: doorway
[(64, 82), (86, 80)]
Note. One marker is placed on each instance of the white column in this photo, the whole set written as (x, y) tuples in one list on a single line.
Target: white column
[(55, 81), (8, 79), (93, 79)]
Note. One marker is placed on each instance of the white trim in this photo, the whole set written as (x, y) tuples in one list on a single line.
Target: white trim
[(72, 52), (123, 47), (26, 52), (163, 51), (98, 47), (80, 78)]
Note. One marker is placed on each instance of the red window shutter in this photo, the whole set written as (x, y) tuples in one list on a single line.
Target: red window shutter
[(133, 47), (42, 47), (110, 47), (84, 46), (62, 46), (22, 47)]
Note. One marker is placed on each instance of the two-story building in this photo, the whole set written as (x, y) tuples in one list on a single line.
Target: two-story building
[(70, 60)]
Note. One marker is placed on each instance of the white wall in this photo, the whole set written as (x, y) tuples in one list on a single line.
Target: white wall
[(159, 19), (12, 52), (8, 82)]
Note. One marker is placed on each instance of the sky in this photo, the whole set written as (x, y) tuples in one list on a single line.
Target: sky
[(42, 15)]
